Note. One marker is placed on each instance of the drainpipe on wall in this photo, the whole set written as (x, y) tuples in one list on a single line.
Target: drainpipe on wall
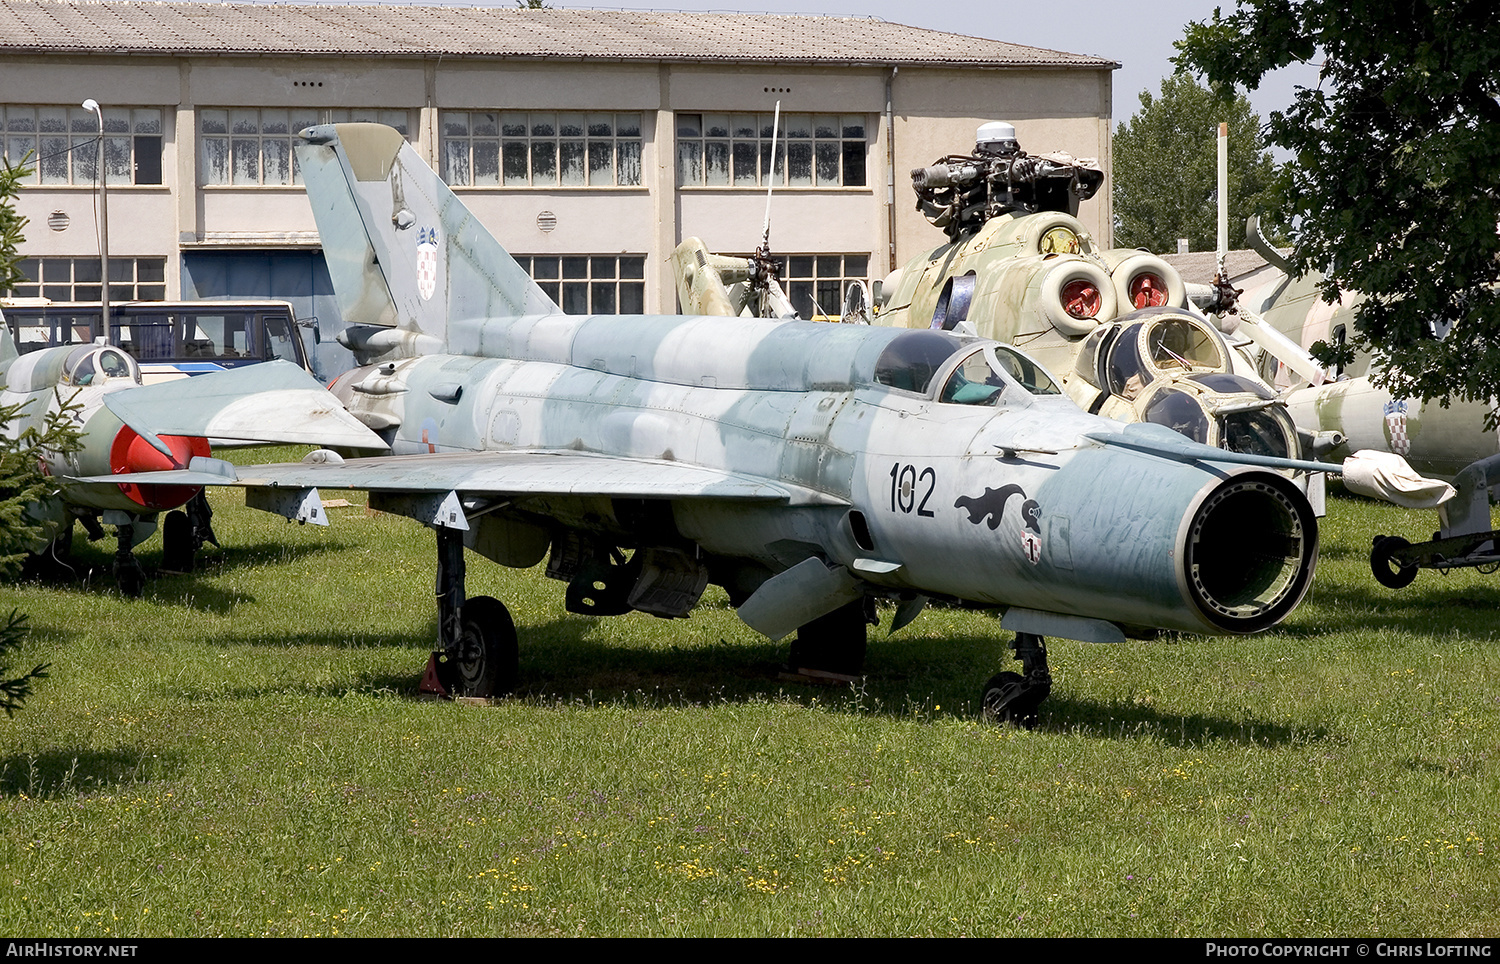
[(890, 172)]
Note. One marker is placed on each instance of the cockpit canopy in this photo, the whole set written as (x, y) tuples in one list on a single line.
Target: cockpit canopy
[(988, 373), (92, 364), (1125, 357)]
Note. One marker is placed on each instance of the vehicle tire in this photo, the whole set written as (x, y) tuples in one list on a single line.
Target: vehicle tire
[(488, 660), (176, 543), (832, 643), (1388, 572), (999, 692)]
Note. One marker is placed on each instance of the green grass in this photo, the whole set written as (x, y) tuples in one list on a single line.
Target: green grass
[(241, 753)]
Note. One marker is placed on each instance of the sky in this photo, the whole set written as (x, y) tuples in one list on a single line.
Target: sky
[(1135, 33)]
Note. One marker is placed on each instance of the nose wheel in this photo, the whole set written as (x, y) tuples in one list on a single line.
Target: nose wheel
[(1016, 697)]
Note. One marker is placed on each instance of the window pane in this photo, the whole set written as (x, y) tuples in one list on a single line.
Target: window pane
[(632, 267), (117, 159), (215, 160), (601, 163), (603, 298), (514, 163), (854, 126), (85, 158), (455, 123), (455, 162), (484, 125), (487, 163), (828, 163), (570, 125), (543, 125), (628, 163), (245, 155), (716, 125), (213, 121), (745, 163), (273, 122), (689, 163), (513, 125), (799, 164), (53, 163), (244, 122), (854, 163), (544, 268), (575, 267), (632, 298), (689, 125), (275, 157), (575, 297), (602, 268), (627, 125), (601, 125), (571, 164), (543, 163), (715, 163), (148, 160)]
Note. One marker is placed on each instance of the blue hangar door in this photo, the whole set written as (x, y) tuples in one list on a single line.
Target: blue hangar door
[(300, 277)]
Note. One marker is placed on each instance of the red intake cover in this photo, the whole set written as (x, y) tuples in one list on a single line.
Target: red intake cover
[(131, 453)]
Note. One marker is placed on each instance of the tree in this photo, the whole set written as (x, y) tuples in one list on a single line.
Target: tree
[(1397, 164), (1166, 170), (22, 483)]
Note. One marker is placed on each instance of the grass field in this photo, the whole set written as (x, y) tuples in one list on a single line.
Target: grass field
[(241, 753)]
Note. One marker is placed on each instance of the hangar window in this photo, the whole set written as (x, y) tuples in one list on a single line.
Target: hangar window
[(246, 146), (540, 149), (591, 285), (63, 144), (77, 279), (734, 150)]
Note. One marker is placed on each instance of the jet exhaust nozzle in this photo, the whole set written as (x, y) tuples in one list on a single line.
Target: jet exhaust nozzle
[(1251, 547)]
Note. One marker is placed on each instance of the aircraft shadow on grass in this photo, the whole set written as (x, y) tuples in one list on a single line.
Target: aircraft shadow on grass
[(63, 772)]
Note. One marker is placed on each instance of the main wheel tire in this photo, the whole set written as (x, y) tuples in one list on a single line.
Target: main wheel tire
[(177, 543), (1388, 572), (998, 694), (488, 661), (832, 643)]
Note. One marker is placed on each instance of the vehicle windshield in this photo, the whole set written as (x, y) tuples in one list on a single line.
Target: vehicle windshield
[(984, 377)]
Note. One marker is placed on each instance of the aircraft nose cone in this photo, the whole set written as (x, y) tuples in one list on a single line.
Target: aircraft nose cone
[(131, 453)]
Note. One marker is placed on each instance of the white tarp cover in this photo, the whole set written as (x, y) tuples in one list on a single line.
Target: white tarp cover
[(1386, 476)]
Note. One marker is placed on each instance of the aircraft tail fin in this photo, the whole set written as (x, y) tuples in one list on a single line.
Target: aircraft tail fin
[(401, 248), (8, 350)]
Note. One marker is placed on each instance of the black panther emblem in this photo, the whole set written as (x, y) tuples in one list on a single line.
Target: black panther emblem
[(992, 505)]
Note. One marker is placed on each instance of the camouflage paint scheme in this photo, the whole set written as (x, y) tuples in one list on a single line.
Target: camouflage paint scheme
[(802, 466)]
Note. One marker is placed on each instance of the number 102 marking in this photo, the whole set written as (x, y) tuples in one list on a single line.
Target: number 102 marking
[(906, 480)]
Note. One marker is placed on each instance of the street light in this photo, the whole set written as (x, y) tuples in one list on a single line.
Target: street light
[(93, 105)]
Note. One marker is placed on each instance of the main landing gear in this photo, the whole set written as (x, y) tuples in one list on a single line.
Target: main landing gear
[(1016, 697), (477, 654)]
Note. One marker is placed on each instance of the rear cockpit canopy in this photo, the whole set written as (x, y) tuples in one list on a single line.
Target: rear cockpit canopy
[(93, 364), (987, 373)]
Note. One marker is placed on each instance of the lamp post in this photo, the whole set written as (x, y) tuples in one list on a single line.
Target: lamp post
[(93, 105)]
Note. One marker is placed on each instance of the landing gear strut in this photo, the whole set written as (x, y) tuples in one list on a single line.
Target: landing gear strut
[(129, 575), (1015, 697), (477, 653)]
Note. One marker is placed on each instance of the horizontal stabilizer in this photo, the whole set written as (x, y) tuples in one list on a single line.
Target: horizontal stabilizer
[(275, 402)]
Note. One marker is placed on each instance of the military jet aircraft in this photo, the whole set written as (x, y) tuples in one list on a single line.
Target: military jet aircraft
[(126, 428), (806, 468)]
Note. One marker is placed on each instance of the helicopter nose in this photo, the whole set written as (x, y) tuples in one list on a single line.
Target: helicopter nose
[(131, 453)]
